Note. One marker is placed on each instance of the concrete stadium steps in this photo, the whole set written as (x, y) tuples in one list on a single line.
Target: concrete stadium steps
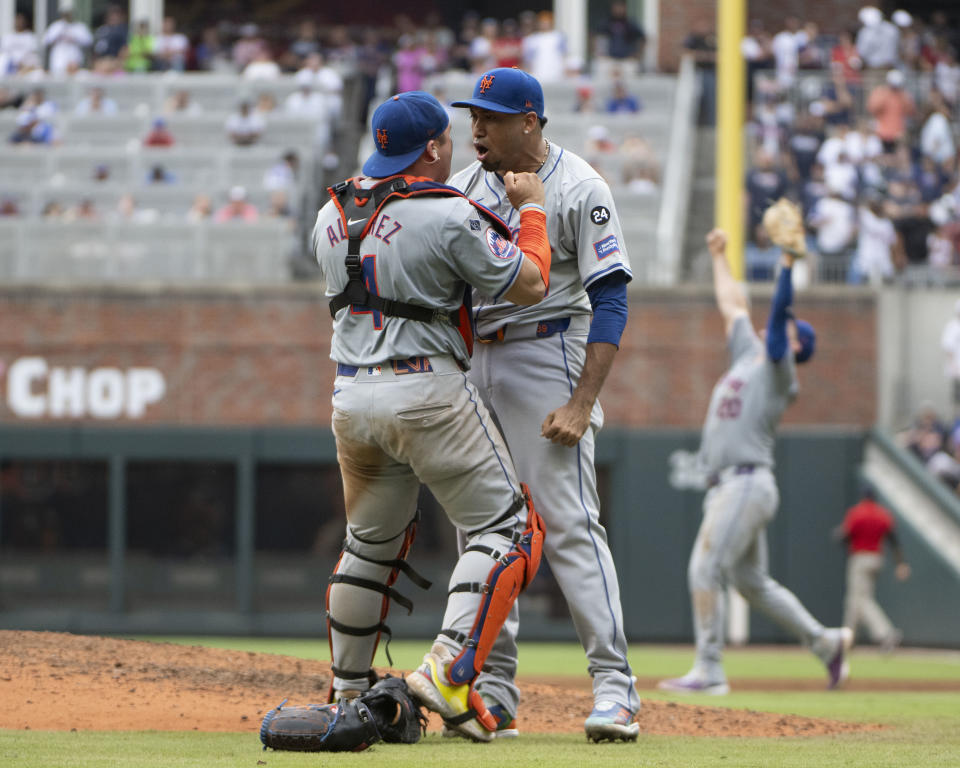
[(130, 253)]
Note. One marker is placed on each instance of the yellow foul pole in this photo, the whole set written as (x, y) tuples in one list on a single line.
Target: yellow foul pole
[(731, 98)]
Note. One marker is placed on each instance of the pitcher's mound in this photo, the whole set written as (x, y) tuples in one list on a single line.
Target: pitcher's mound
[(58, 681)]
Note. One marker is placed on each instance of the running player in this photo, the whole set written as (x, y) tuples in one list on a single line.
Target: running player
[(737, 451)]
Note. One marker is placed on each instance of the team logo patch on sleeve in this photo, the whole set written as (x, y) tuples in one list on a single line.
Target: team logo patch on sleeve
[(600, 215), (474, 225), (606, 247), (499, 247)]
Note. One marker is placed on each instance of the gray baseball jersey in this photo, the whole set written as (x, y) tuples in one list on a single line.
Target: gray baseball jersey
[(420, 253), (528, 374), (747, 403), (584, 231)]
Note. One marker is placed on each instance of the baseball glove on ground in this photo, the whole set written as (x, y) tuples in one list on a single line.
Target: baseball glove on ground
[(384, 713), (784, 223)]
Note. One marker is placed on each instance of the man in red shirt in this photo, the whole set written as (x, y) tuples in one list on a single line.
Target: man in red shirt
[(864, 529)]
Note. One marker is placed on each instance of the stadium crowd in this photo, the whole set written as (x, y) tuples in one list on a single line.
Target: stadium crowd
[(859, 126), (318, 57)]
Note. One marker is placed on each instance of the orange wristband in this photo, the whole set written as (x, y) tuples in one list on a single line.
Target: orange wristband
[(533, 239)]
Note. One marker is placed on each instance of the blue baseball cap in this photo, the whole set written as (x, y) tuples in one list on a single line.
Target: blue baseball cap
[(808, 341), (401, 128), (506, 89)]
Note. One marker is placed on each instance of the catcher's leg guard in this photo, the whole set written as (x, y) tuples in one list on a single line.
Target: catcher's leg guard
[(516, 554), (358, 600)]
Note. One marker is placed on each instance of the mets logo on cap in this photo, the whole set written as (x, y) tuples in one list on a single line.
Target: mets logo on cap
[(486, 83), (382, 137)]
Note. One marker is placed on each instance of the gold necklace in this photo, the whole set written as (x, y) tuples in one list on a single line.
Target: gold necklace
[(546, 151)]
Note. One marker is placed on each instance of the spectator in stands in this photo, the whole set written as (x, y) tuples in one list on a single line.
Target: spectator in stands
[(85, 210), (17, 46), (32, 129), (246, 47), (9, 207), (946, 77), (835, 221), (170, 48), (265, 105), (262, 66), (201, 209), (508, 46), (180, 102), (326, 80), (482, 57), (278, 205), (37, 100), (845, 56), (619, 42), (876, 240), (905, 207), (138, 55), (101, 172), (243, 127), (11, 99), (701, 44), (621, 101), (110, 38), (210, 54), (159, 135), (305, 102), (787, 45), (52, 211), (926, 435), (811, 192), (158, 174), (283, 174), (96, 102), (66, 41), (765, 182), (891, 107), (545, 50), (803, 145), (306, 43), (836, 99), (936, 136), (909, 46), (878, 41), (238, 208), (760, 256), (757, 50), (950, 344), (584, 103), (411, 64)]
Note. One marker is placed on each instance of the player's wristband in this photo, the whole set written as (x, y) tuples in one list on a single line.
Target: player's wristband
[(533, 239), (534, 206)]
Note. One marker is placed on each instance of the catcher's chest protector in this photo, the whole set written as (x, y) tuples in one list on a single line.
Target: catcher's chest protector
[(359, 209)]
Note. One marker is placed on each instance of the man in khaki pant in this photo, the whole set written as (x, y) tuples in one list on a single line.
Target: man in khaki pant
[(864, 529)]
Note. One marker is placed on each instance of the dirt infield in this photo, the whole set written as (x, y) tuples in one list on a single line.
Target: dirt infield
[(56, 681)]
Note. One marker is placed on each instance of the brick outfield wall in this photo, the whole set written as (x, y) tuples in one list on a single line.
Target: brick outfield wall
[(677, 17), (261, 358)]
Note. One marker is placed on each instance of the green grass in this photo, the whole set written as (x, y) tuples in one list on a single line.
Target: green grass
[(924, 728)]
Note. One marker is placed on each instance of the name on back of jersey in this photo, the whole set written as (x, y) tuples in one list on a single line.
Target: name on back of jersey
[(384, 228)]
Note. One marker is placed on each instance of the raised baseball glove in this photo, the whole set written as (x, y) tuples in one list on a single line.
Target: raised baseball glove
[(384, 713), (784, 223)]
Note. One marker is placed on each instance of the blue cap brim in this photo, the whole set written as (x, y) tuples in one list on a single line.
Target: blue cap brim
[(380, 166), (493, 106)]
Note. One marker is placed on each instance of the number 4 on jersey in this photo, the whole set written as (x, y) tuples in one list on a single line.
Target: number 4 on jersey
[(368, 265)]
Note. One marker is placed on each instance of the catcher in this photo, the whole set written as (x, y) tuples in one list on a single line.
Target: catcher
[(737, 450)]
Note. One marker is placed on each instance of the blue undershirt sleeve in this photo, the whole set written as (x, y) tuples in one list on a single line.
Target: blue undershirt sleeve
[(779, 312), (608, 297)]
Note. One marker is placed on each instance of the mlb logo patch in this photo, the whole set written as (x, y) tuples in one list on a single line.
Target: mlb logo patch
[(606, 247), (499, 247), (474, 225)]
